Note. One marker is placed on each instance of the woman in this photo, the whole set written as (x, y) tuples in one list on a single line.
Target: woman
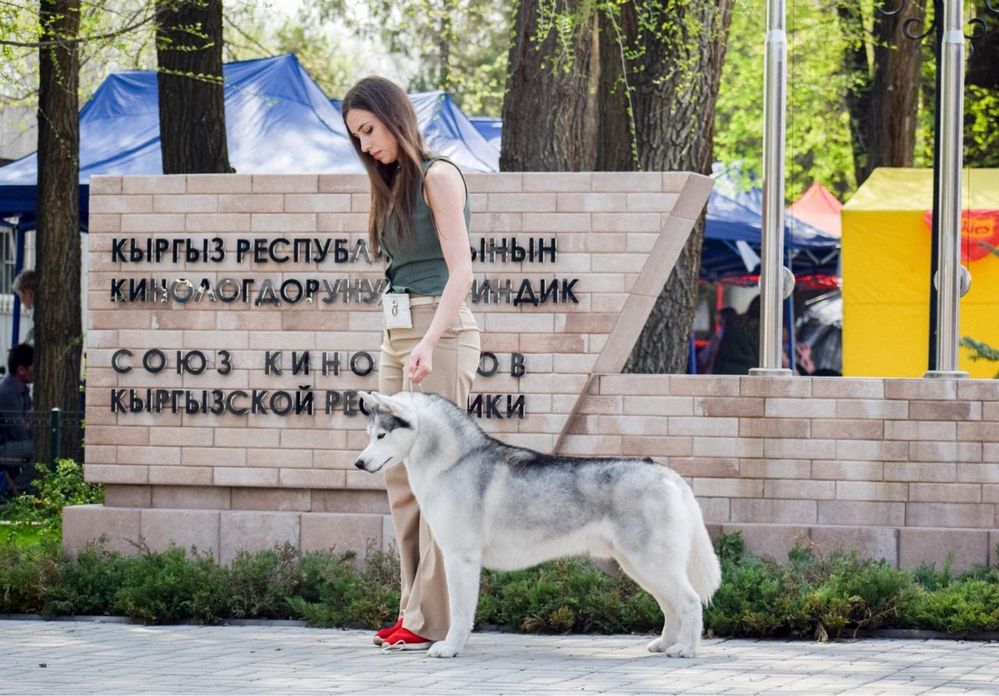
[(419, 220)]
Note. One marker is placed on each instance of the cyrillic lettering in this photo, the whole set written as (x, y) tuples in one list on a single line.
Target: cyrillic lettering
[(485, 368), (154, 361), (266, 294), (272, 362), (281, 403), (304, 400), (517, 365), (355, 363), (300, 364), (525, 289), (115, 361)]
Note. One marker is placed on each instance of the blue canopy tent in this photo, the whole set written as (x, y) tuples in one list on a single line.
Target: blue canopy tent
[(733, 231), (489, 128), (277, 121)]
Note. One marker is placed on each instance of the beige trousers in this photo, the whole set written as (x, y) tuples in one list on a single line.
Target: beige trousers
[(424, 604)]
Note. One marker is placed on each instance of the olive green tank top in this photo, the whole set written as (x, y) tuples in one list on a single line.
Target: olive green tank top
[(415, 260)]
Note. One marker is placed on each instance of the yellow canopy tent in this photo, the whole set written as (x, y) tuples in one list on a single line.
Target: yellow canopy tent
[(886, 272)]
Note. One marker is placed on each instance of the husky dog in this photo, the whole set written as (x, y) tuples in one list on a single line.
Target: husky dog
[(489, 504)]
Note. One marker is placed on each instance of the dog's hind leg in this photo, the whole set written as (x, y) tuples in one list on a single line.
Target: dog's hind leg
[(463, 595), (679, 602)]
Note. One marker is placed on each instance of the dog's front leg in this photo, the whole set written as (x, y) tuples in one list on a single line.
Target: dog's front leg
[(463, 596)]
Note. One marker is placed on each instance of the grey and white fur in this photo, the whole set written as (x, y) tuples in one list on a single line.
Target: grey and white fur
[(492, 505)]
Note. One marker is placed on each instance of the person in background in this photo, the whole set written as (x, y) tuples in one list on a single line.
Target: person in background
[(739, 347), (16, 445), (24, 286), (706, 357)]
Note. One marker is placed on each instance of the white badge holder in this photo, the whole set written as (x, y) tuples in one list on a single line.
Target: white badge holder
[(395, 307)]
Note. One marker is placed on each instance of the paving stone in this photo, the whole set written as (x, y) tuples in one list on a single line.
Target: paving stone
[(85, 657)]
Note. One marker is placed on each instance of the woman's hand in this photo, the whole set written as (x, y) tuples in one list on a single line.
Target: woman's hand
[(420, 362)]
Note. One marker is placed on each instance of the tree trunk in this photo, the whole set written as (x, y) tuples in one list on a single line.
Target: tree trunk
[(858, 94), (58, 333), (549, 111), (893, 92), (674, 102), (883, 98), (615, 146), (191, 98)]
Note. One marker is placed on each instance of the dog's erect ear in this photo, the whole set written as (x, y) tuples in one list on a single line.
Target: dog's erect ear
[(385, 403)]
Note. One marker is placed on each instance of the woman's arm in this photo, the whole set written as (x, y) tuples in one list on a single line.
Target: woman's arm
[(445, 193)]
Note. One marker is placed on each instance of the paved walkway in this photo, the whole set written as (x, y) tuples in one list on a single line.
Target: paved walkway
[(68, 657)]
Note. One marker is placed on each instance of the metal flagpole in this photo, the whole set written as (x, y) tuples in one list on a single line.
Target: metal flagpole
[(948, 278), (773, 275)]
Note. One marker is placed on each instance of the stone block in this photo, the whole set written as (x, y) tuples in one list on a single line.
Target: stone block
[(787, 387), (256, 531), (350, 501), (773, 511), (800, 489), (191, 497), (848, 388), (728, 487), (769, 540), (977, 516), (861, 512), (271, 499), (342, 532), (82, 524), (874, 543), (187, 529), (962, 548), (127, 496)]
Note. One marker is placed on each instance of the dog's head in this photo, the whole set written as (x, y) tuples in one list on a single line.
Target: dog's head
[(391, 429)]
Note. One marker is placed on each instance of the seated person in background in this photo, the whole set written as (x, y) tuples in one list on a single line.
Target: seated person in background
[(16, 446)]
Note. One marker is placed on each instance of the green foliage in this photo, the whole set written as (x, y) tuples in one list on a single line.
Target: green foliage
[(969, 604), (455, 45), (25, 574), (818, 126), (261, 582), (806, 596), (169, 587), (336, 594), (86, 585), (981, 351), (40, 509), (981, 126)]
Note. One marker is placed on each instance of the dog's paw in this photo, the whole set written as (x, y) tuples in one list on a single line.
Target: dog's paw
[(656, 645), (442, 649), (680, 650)]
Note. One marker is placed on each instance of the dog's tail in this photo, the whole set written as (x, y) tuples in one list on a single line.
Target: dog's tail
[(703, 569)]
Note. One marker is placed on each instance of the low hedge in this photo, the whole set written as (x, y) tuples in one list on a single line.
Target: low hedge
[(809, 595)]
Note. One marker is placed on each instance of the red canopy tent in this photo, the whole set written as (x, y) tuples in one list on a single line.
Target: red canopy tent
[(819, 208)]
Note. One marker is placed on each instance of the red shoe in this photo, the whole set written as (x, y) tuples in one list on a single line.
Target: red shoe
[(404, 639), (382, 634)]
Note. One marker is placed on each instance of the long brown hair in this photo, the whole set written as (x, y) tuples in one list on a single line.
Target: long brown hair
[(394, 185)]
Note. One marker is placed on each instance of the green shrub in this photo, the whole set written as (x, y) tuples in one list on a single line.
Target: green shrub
[(170, 587), (260, 583), (40, 509), (86, 585), (25, 574), (334, 593), (809, 595)]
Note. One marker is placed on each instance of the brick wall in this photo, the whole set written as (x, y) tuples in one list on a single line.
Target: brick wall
[(907, 470)]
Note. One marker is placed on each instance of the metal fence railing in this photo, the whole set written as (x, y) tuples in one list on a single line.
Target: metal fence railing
[(40, 436)]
